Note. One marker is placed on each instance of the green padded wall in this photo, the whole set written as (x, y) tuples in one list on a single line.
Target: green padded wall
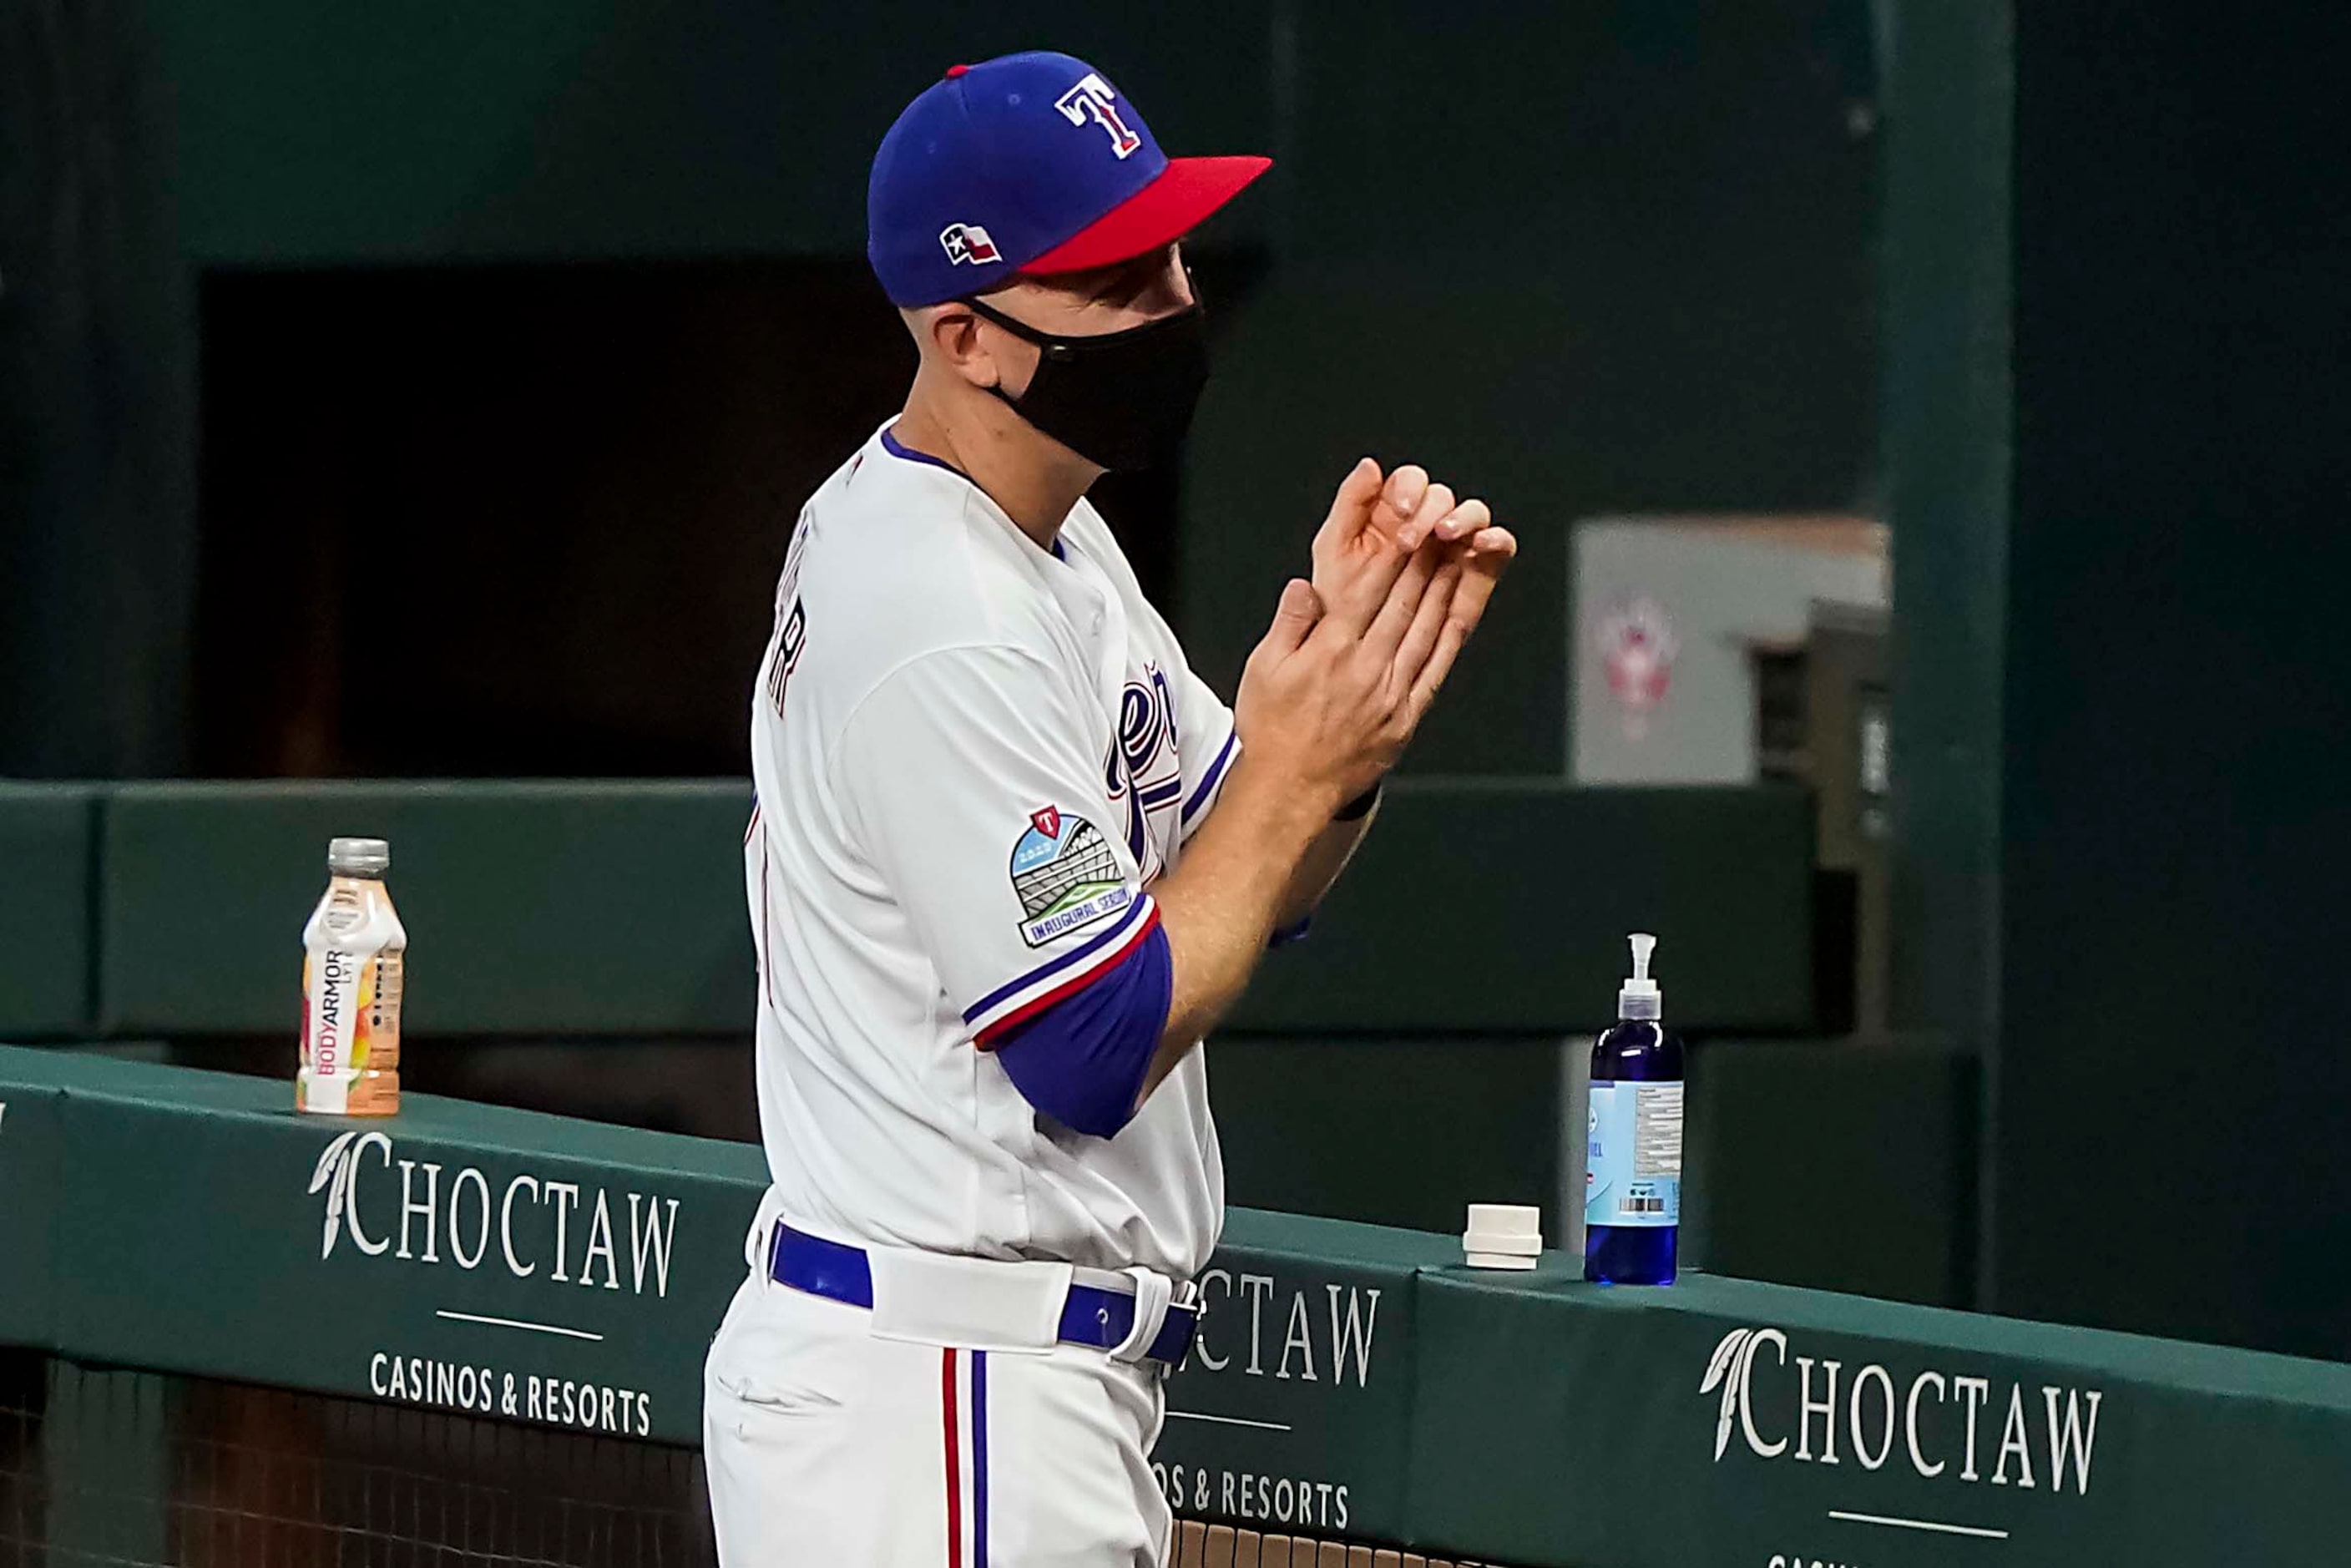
[(1837, 1167), (45, 909), (1828, 1166), (1503, 908), (617, 908), (532, 908), (1391, 1131)]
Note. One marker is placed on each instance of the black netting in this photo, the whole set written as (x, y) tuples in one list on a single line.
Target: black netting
[(131, 1469)]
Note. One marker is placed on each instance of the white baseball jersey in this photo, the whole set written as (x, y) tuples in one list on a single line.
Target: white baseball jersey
[(972, 755)]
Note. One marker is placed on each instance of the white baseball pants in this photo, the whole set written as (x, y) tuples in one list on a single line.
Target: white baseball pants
[(827, 1447)]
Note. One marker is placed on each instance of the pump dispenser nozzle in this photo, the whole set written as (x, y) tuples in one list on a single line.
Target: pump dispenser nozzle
[(1640, 998)]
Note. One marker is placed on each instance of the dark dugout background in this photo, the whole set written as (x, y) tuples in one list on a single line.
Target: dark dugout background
[(492, 355), (528, 329)]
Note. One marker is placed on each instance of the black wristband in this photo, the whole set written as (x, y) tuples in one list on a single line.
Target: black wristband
[(1356, 810)]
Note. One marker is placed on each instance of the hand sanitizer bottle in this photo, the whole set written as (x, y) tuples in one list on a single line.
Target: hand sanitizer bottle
[(1633, 1187)]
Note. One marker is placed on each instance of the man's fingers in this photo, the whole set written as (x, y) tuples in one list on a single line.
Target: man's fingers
[(1440, 664), (1471, 597), (1359, 563), (1436, 502), (1404, 491), (1473, 559), (1465, 521), (1294, 617), (1399, 499), (1386, 632), (1428, 622), (1478, 570), (1363, 585), (1350, 508), (1481, 569), (1356, 493)]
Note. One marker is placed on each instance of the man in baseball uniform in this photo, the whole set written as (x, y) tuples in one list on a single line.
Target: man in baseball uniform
[(1011, 859)]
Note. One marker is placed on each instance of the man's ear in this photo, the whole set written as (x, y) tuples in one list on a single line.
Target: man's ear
[(954, 338)]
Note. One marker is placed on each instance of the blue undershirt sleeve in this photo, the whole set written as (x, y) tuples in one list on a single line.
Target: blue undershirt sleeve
[(1082, 1060)]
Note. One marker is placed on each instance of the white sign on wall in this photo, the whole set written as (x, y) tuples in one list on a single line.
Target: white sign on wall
[(1665, 612)]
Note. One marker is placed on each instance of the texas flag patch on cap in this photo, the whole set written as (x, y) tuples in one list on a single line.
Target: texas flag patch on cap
[(969, 243)]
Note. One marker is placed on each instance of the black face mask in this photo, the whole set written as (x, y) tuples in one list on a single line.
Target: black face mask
[(1122, 400)]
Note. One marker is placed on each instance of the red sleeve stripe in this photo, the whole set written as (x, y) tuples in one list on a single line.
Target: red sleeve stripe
[(986, 1038)]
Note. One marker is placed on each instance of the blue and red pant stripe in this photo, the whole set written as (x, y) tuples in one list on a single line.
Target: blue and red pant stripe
[(967, 1489)]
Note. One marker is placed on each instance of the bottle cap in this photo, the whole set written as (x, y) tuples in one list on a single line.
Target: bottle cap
[(1502, 1236), (1640, 998), (357, 857)]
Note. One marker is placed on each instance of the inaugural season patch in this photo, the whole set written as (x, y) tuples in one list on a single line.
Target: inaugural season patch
[(1065, 875)]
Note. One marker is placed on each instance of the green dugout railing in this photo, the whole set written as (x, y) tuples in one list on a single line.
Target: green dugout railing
[(1480, 930), (1349, 1380)]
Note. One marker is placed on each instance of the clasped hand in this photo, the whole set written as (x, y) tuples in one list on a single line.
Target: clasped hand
[(1402, 575)]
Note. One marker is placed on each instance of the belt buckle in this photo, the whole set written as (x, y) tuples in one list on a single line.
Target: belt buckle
[(1190, 1298)]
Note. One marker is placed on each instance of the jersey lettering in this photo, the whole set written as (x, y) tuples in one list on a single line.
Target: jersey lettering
[(791, 620), (1142, 772), (790, 638)]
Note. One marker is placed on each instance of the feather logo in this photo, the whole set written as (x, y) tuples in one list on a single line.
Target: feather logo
[(338, 1169), (1728, 1367), (1718, 1369)]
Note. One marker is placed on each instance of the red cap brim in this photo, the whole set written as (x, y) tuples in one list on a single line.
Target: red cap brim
[(1161, 213)]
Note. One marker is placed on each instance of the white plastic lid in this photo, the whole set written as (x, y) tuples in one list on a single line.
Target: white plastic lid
[(357, 857), (1502, 1236), (1640, 998)]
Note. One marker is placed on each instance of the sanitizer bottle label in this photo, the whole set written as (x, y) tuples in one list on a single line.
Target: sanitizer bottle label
[(1635, 1177)]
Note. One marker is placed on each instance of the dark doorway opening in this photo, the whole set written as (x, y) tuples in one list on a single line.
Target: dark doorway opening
[(518, 520)]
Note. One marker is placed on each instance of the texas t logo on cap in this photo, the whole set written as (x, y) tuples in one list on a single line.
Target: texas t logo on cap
[(996, 172), (1092, 100)]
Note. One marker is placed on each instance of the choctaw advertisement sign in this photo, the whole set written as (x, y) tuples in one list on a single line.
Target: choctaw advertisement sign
[(394, 1261), (1986, 1440), (1346, 1382), (536, 1248), (1290, 1413)]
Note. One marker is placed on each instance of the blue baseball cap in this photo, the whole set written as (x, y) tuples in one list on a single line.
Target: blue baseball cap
[(1029, 163)]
